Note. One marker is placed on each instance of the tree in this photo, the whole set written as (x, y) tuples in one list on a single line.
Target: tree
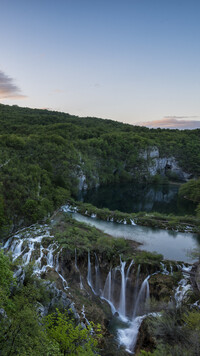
[(72, 339)]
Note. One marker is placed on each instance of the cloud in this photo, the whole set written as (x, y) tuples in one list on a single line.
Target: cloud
[(8, 90), (181, 117), (174, 122), (59, 91)]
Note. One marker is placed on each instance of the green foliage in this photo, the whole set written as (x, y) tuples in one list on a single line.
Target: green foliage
[(72, 235), (42, 154), (23, 332), (6, 279), (198, 211), (148, 258), (191, 190), (72, 339), (176, 332)]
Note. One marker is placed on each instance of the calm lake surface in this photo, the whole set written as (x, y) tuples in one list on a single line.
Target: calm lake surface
[(172, 245), (134, 197)]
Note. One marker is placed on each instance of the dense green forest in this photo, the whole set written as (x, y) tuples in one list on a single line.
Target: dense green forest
[(44, 154), (45, 158)]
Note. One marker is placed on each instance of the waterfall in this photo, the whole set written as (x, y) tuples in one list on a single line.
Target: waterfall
[(89, 274), (128, 270), (77, 269), (171, 269), (142, 298), (165, 271), (27, 256), (17, 249), (122, 303), (108, 288), (128, 336), (50, 256), (107, 292), (76, 266), (64, 282), (97, 275), (29, 238)]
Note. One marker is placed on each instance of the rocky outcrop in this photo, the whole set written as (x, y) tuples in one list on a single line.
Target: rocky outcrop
[(166, 166), (82, 182)]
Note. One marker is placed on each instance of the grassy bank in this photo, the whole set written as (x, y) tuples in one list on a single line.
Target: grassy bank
[(168, 222)]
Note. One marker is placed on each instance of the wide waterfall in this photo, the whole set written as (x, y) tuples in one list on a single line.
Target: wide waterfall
[(118, 301), (123, 288)]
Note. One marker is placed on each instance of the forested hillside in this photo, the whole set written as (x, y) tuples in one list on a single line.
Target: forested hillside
[(45, 156)]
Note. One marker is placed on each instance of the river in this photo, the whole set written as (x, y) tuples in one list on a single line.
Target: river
[(172, 245)]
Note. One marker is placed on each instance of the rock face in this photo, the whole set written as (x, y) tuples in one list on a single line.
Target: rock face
[(82, 182), (166, 166), (149, 164)]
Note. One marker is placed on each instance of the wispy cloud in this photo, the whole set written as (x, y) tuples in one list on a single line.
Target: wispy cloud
[(174, 122), (181, 117), (58, 91), (8, 90)]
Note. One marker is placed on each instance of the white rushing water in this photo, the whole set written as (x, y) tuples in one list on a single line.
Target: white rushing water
[(35, 244), (27, 244)]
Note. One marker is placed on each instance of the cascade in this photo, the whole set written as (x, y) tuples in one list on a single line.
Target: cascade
[(27, 256), (142, 297), (97, 275), (107, 292), (171, 269), (128, 336), (165, 271), (183, 286), (108, 288), (64, 282), (50, 256), (17, 249), (128, 270), (89, 274), (77, 269), (76, 266), (122, 303), (38, 262)]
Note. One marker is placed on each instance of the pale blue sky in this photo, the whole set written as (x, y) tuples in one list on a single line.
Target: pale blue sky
[(132, 61)]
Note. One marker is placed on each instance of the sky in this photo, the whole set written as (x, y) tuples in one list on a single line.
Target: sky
[(134, 61)]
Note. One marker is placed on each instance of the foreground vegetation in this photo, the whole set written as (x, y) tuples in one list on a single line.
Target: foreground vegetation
[(175, 332), (23, 331)]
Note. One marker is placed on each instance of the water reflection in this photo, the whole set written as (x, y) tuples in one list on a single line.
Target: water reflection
[(134, 197)]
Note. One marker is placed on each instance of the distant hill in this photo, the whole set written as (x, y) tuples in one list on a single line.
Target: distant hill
[(46, 156)]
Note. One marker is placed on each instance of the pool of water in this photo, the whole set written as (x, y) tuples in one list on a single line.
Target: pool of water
[(134, 197), (172, 245)]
